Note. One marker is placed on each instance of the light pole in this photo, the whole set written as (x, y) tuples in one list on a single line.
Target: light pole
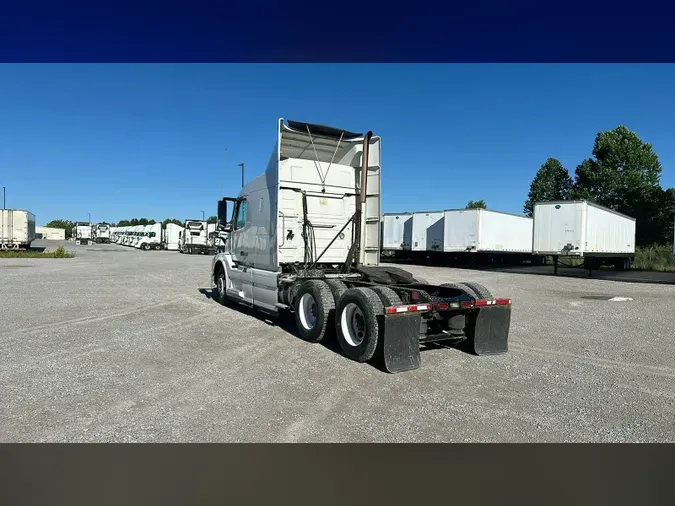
[(89, 219), (242, 173), (202, 215), (3, 198)]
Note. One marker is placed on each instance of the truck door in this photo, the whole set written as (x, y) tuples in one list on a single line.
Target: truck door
[(241, 276)]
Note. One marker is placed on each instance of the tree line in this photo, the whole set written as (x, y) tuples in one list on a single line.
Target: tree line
[(69, 224), (623, 173)]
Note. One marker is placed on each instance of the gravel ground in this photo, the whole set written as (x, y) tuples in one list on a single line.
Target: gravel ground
[(118, 344)]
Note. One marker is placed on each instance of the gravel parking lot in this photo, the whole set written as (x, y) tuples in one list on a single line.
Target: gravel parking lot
[(118, 344)]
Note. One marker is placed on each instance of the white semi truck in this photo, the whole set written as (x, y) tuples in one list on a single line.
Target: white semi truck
[(82, 233), (304, 237), (101, 232), (150, 237), (194, 238)]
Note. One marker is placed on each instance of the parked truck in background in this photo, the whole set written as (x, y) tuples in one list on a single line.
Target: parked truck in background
[(305, 238), (82, 233), (582, 229), (101, 233), (17, 229), (195, 237), (150, 237)]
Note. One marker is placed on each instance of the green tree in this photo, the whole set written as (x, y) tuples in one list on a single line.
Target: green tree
[(212, 219), (172, 220), (151, 222), (143, 221), (124, 223), (624, 174), (551, 182), (476, 204), (133, 222)]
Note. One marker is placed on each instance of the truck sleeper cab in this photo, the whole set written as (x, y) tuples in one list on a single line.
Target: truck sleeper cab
[(305, 237), (194, 238)]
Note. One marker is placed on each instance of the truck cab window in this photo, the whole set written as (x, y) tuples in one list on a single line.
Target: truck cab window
[(240, 221)]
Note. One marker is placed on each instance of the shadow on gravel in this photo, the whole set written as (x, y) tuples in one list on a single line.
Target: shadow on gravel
[(631, 276), (286, 322)]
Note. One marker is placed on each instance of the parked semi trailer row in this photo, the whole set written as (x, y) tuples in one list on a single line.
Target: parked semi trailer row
[(558, 229)]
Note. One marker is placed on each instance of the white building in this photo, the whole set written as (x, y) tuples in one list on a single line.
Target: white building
[(52, 234)]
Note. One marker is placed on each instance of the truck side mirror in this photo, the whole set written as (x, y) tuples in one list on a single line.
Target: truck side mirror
[(222, 211)]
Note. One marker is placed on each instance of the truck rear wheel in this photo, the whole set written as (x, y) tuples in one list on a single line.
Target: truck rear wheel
[(356, 323), (313, 305), (387, 296), (478, 289), (462, 287)]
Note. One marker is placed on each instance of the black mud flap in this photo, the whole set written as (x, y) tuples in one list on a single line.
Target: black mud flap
[(400, 342), (488, 330)]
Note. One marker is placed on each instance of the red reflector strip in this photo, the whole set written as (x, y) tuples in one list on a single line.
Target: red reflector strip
[(407, 309), (442, 305), (483, 303)]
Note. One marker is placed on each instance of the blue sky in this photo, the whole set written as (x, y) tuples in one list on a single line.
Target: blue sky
[(121, 141)]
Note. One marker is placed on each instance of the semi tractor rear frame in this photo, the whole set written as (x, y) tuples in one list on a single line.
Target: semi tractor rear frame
[(310, 245)]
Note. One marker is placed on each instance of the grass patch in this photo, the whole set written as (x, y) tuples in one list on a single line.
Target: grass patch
[(655, 258), (60, 252)]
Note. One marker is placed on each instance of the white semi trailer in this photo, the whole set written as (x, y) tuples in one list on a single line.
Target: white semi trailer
[(17, 229), (396, 233), (484, 235), (582, 229), (304, 237), (172, 236)]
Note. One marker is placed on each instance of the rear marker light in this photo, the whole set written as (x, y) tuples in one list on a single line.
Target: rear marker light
[(483, 303), (407, 309)]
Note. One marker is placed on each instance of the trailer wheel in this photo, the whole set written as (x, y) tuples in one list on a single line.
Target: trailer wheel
[(313, 304), (145, 246), (478, 289), (356, 323)]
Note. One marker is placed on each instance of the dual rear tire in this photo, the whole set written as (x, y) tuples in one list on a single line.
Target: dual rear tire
[(324, 309)]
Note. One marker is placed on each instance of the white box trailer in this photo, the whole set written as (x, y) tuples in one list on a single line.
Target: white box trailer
[(396, 231), (578, 228), (486, 231), (427, 231), (17, 228), (172, 236)]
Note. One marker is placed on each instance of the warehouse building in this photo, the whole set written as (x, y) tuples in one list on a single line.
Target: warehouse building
[(53, 234)]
